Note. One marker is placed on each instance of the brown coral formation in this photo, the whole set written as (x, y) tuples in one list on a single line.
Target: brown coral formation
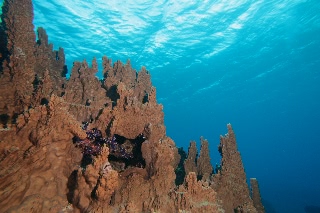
[(195, 196), (255, 194), (19, 61), (43, 114), (53, 62), (36, 159), (230, 182), (201, 164), (190, 163), (204, 167)]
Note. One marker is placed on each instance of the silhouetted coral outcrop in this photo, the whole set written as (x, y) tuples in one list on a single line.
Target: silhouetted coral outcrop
[(204, 167), (230, 183), (190, 163), (180, 171), (90, 145), (255, 194), (200, 165)]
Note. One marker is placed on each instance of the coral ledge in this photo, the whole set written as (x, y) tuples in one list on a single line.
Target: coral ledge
[(88, 145)]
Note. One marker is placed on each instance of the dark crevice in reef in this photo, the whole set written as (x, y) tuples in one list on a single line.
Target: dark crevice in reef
[(94, 192), (64, 72), (36, 82), (4, 53), (44, 101), (14, 118), (98, 115), (86, 160), (112, 199), (4, 119), (72, 185), (132, 148), (108, 129), (180, 171), (123, 152), (145, 98), (113, 95)]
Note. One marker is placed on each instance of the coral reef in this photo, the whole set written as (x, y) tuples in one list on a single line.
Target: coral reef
[(89, 145)]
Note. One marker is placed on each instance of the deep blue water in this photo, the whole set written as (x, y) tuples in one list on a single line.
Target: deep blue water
[(254, 64)]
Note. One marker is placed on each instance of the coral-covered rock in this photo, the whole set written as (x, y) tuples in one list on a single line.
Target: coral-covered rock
[(195, 196), (204, 167), (53, 61), (255, 194), (18, 67), (118, 73), (139, 82), (138, 123), (230, 183), (94, 185), (40, 158), (190, 162), (90, 98), (148, 189), (199, 164)]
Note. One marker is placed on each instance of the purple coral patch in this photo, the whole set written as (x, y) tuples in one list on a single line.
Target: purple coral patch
[(93, 143)]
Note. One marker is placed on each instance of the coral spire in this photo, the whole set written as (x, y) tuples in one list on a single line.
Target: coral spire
[(18, 66), (230, 183), (255, 194), (190, 162), (204, 166)]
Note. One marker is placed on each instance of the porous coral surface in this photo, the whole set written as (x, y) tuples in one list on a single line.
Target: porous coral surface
[(42, 168)]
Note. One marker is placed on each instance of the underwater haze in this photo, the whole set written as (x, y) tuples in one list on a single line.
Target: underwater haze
[(252, 63)]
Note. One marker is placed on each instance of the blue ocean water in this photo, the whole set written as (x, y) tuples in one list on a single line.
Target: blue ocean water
[(254, 64)]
